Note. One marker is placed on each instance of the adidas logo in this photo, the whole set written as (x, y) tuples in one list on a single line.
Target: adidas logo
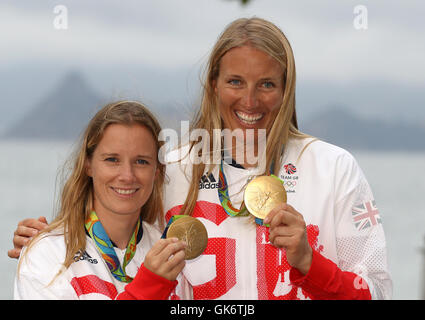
[(208, 182), (84, 256)]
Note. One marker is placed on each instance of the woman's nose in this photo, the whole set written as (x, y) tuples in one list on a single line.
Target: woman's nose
[(127, 172), (249, 99)]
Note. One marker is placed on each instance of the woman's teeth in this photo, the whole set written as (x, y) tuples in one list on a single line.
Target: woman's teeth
[(125, 191), (249, 118)]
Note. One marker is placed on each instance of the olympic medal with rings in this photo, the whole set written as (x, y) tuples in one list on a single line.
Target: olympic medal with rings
[(263, 194), (193, 232)]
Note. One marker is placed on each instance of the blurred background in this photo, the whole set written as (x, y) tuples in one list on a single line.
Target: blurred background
[(360, 85)]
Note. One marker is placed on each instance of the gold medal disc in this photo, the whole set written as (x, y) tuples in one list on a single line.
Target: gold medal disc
[(193, 232), (263, 194)]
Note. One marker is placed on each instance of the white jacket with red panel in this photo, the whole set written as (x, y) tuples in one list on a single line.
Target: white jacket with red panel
[(326, 185), (88, 278)]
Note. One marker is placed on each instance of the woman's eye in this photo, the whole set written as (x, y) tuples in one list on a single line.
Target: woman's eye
[(268, 84), (235, 82), (142, 161), (111, 159)]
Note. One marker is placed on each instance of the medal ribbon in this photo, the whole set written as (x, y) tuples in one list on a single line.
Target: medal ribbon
[(172, 219), (106, 248), (223, 195)]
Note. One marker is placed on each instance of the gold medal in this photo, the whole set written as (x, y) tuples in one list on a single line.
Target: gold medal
[(263, 194), (193, 232)]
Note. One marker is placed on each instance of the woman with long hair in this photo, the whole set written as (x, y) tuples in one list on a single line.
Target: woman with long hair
[(109, 218), (325, 242)]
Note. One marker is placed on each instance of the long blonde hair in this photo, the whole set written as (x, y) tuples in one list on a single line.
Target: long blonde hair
[(76, 200), (265, 36)]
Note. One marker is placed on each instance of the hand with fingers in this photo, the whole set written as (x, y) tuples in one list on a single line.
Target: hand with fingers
[(166, 258), (288, 230), (26, 229)]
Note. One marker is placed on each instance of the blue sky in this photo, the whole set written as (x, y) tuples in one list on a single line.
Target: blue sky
[(155, 50)]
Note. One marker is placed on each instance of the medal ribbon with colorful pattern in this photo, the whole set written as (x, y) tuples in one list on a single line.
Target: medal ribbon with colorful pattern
[(223, 195), (172, 219), (106, 248)]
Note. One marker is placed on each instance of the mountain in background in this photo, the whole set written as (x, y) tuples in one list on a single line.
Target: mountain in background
[(62, 114), (342, 128), (65, 112)]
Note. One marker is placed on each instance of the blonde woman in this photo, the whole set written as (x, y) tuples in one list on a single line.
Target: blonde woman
[(110, 212), (327, 242)]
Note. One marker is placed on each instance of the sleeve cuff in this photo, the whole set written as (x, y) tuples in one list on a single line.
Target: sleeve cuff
[(147, 285), (325, 280), (321, 270)]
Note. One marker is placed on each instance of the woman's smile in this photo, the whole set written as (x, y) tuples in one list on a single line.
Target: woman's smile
[(249, 88), (125, 192), (248, 118), (123, 168)]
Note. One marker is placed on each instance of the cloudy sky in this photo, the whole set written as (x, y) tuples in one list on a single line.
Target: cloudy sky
[(155, 50)]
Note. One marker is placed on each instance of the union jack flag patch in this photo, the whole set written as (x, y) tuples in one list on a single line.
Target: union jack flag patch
[(366, 215)]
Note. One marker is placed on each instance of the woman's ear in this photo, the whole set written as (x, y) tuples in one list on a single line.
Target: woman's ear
[(88, 168), (214, 85)]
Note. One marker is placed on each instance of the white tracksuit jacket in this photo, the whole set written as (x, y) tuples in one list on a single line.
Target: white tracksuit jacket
[(344, 226), (87, 278)]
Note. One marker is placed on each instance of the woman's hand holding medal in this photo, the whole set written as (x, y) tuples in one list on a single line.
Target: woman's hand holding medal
[(166, 258), (288, 231), (265, 198)]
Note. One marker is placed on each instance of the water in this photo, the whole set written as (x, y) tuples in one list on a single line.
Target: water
[(27, 186), (398, 184)]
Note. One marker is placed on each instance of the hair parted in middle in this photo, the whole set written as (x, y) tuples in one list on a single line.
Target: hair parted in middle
[(267, 37)]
